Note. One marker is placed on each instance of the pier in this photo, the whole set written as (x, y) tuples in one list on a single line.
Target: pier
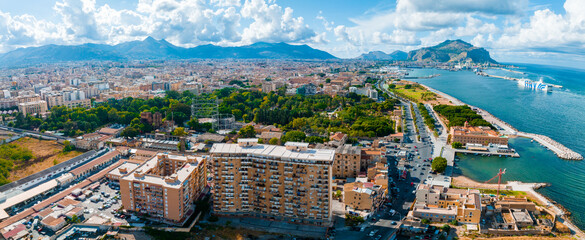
[(488, 153), (559, 149)]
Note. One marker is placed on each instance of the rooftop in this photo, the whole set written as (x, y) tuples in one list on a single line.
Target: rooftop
[(275, 151), (144, 172)]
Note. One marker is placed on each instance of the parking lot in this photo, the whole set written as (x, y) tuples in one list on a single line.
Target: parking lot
[(105, 202)]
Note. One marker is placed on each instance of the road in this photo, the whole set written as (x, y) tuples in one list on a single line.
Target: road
[(418, 164)]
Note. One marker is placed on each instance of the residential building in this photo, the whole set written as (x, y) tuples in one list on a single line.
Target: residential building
[(477, 135), (267, 135), (35, 107), (285, 183), (441, 204), (363, 196), (347, 163), (164, 187)]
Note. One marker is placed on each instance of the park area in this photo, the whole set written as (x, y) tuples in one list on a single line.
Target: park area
[(416, 93), (29, 156)]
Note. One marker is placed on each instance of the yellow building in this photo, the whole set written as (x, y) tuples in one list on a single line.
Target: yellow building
[(35, 107), (285, 183), (477, 135), (440, 204), (164, 187), (363, 196)]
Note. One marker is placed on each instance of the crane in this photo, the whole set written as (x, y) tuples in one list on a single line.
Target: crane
[(499, 176)]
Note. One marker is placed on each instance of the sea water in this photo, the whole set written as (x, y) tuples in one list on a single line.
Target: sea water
[(559, 114)]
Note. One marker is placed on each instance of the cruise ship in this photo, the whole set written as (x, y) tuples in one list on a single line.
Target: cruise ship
[(527, 83)]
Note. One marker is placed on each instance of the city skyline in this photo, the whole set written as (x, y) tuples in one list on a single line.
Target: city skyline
[(513, 31)]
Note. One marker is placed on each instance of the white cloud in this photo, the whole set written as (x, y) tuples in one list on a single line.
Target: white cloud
[(270, 23), (548, 31), (182, 22)]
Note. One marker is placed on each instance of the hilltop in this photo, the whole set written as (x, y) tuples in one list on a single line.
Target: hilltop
[(451, 51), (379, 55)]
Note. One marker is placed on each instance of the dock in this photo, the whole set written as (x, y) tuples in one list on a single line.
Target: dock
[(559, 149), (488, 153)]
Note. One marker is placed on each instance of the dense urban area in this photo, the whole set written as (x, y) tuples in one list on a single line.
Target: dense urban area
[(252, 149)]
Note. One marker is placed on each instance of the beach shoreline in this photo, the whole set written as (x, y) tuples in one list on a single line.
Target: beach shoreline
[(529, 188)]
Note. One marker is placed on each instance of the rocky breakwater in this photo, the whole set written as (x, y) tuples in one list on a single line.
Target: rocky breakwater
[(559, 149)]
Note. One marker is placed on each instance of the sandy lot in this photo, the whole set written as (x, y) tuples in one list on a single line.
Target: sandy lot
[(46, 154)]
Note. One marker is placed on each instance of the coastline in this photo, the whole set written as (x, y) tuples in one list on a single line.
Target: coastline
[(529, 188), (559, 149), (461, 181)]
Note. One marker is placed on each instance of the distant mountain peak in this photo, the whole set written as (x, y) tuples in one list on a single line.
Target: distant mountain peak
[(451, 51), (379, 55)]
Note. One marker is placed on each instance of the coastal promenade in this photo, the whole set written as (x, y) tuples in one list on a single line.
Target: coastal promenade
[(559, 149)]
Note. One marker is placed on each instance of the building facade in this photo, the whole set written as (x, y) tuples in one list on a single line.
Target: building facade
[(347, 163), (477, 135), (285, 183), (164, 187), (36, 107), (363, 196), (440, 204)]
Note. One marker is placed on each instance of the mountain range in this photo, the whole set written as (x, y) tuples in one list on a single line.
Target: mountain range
[(379, 55), (451, 51), (152, 49)]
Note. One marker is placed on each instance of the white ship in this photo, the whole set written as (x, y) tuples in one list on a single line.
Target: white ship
[(527, 83)]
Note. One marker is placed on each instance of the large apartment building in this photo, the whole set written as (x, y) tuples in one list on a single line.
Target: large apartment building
[(440, 204), (347, 163), (164, 186), (285, 183)]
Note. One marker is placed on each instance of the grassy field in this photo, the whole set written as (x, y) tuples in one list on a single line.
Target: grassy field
[(46, 154), (414, 92)]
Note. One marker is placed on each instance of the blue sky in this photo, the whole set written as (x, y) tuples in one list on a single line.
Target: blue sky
[(534, 31)]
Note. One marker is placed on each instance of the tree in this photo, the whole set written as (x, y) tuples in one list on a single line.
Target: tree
[(260, 141), (353, 220), (247, 132), (130, 132), (454, 223), (67, 146), (457, 145), (425, 221), (294, 136), (273, 141), (439, 164), (446, 228), (74, 219), (328, 80), (180, 131)]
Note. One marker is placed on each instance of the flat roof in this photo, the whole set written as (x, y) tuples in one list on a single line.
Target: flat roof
[(275, 151), (26, 195), (130, 166), (182, 173), (45, 172)]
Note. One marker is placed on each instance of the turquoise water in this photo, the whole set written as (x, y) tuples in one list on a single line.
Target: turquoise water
[(559, 115)]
